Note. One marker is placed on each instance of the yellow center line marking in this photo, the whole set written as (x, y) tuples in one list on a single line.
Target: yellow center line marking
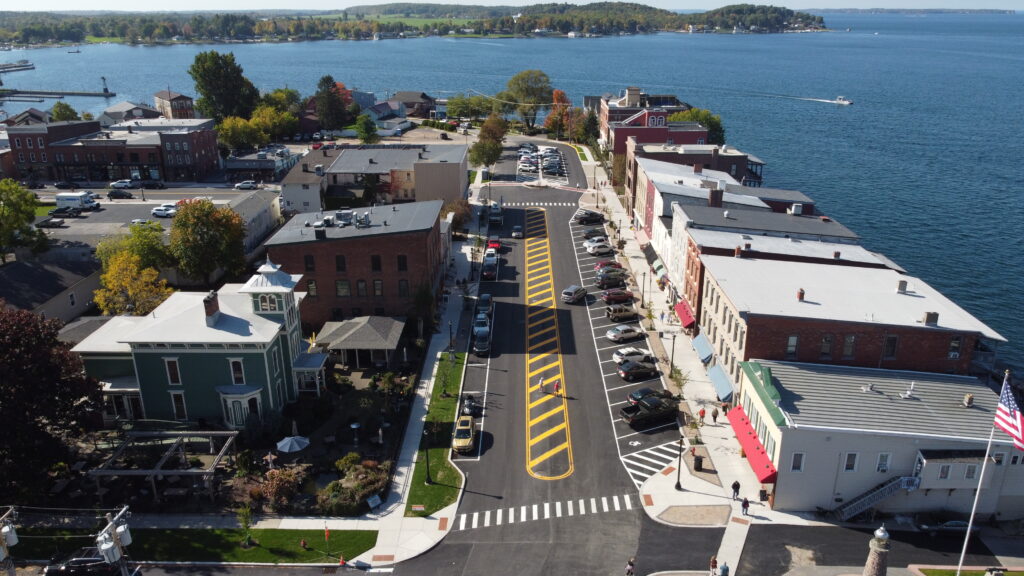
[(547, 433), (539, 344), (547, 414), (549, 454)]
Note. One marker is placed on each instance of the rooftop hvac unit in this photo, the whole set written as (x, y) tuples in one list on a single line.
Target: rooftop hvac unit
[(797, 209), (328, 221), (344, 216), (9, 535), (319, 169)]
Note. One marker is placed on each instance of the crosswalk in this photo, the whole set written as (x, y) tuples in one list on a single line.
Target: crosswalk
[(643, 464), (539, 204), (544, 511)]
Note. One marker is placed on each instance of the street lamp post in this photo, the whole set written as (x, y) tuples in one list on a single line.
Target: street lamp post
[(643, 283), (672, 358), (426, 433), (679, 467), (451, 343)]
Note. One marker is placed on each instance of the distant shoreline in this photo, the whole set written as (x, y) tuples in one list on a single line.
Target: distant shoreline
[(908, 11)]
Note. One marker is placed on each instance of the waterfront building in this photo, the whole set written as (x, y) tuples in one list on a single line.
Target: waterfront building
[(125, 111), (173, 105), (632, 100), (746, 169), (399, 173), (303, 187), (652, 126)]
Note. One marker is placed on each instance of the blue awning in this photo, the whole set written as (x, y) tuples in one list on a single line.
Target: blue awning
[(721, 382), (703, 348)]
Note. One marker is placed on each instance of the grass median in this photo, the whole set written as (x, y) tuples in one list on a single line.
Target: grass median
[(202, 545), (425, 499)]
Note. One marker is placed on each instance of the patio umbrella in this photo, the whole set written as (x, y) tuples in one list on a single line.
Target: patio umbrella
[(292, 444)]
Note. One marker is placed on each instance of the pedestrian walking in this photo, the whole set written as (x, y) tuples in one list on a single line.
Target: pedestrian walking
[(745, 506), (702, 413), (725, 569), (714, 565), (540, 383), (663, 316), (631, 566), (558, 386), (725, 408), (714, 415), (735, 489)]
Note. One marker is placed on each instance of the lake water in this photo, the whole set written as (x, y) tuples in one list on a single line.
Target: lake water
[(925, 166)]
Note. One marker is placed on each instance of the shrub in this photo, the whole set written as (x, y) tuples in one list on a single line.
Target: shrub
[(280, 485), (336, 500), (346, 463), (194, 462), (245, 464)]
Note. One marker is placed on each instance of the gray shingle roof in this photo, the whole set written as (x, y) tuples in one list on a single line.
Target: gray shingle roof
[(362, 333), (26, 285), (383, 159)]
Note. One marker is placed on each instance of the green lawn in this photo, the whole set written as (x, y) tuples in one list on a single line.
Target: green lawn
[(44, 209), (446, 481), (579, 151), (188, 545), (99, 39)]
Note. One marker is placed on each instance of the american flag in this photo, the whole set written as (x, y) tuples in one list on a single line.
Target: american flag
[(1008, 415)]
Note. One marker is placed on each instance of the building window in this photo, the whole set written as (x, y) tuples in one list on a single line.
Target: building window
[(848, 346), (184, 146), (850, 462), (883, 462), (309, 262), (999, 458), (178, 404), (337, 314), (357, 312), (378, 288), (342, 288), (403, 263), (17, 142), (971, 472), (954, 345), (237, 373), (40, 140), (167, 146), (71, 299), (28, 141), (311, 287), (268, 302), (403, 287), (375, 263), (21, 157), (173, 374), (31, 156), (798, 462), (791, 344), (889, 348), (42, 156), (1014, 459), (339, 263), (360, 287), (826, 347), (944, 472)]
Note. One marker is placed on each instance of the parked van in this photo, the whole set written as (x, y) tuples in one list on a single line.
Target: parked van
[(620, 312), (80, 200)]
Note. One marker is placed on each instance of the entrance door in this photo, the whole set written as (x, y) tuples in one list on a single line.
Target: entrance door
[(135, 408)]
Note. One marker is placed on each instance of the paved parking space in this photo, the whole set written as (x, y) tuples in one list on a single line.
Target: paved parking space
[(644, 451)]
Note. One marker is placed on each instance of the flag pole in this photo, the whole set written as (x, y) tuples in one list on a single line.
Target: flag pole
[(974, 507)]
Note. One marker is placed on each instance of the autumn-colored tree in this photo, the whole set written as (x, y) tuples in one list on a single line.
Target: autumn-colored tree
[(280, 485), (557, 120), (713, 122), (128, 288), (273, 122), (145, 240), (205, 237), (461, 209), (17, 212), (493, 129), (45, 393), (235, 132)]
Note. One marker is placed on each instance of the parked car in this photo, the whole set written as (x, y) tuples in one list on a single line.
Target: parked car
[(50, 223), (612, 272), (494, 241), (484, 304), (600, 249), (517, 231), (80, 562), (490, 254), (65, 212), (589, 217), (30, 184), (481, 322), (594, 233), (464, 439), (620, 312), (152, 185), (247, 185), (471, 406), (489, 271), (616, 296), (124, 184), (65, 185), (632, 354), (624, 333), (636, 370), (603, 264), (574, 294), (163, 212), (606, 282), (139, 221), (119, 193), (650, 410), (638, 395)]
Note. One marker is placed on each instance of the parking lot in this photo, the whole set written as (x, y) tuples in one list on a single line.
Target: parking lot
[(536, 162)]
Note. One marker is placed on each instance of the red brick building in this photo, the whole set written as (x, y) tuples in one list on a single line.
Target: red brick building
[(652, 126), (374, 265), (632, 101), (35, 146), (173, 105), (746, 169)]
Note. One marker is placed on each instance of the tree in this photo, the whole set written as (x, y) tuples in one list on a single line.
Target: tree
[(223, 89), (17, 212), (45, 392), (330, 106), (273, 122), (557, 120), (283, 99), (128, 288), (531, 92), (462, 210), (366, 129), (62, 112), (591, 128), (235, 133), (493, 129), (205, 237), (713, 122), (144, 240), (485, 153)]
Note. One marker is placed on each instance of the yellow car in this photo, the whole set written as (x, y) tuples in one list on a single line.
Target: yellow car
[(465, 435)]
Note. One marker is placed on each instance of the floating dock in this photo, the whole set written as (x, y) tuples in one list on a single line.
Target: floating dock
[(13, 92)]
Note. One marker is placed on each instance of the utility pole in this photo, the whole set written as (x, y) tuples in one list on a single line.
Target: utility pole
[(112, 540)]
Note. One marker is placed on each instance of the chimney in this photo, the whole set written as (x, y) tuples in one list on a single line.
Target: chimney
[(968, 400), (372, 161), (931, 318), (305, 167), (738, 252), (725, 214), (129, 129), (715, 197), (901, 287), (212, 308), (632, 97), (835, 255), (800, 294), (877, 563), (698, 168)]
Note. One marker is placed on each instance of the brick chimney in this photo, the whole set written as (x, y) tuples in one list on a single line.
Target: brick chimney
[(698, 168), (877, 563), (800, 294), (211, 306), (715, 197), (305, 167)]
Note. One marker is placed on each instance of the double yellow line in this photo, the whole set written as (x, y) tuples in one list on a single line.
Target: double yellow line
[(548, 442)]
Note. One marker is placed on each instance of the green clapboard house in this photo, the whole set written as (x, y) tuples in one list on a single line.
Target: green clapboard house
[(223, 358)]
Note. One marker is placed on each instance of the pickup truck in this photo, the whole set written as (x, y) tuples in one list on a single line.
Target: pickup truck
[(650, 410)]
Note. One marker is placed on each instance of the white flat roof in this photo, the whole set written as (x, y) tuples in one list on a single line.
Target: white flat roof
[(105, 338), (669, 172), (790, 246), (182, 319), (840, 293)]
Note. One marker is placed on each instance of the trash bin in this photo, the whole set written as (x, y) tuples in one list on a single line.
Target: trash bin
[(698, 463), (763, 495)]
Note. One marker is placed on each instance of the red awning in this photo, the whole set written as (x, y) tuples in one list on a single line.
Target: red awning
[(685, 314), (760, 461)]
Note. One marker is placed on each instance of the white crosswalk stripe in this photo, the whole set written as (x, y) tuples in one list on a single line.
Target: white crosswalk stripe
[(646, 463), (535, 512), (538, 204)]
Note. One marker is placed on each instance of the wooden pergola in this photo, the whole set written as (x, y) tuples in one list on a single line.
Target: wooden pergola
[(107, 469)]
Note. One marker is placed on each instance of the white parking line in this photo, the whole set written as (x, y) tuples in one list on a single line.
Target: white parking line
[(593, 505), (630, 385), (558, 509), (547, 510), (476, 518), (534, 511), (498, 521), (604, 503)]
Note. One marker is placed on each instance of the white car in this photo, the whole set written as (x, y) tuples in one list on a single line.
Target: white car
[(596, 241), (624, 332), (490, 253), (246, 185), (163, 212), (139, 221), (527, 168), (599, 249), (632, 354), (122, 184)]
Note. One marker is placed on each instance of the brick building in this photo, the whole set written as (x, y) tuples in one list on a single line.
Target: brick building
[(373, 266), (746, 169), (824, 314), (174, 106), (652, 126), (35, 146), (631, 101)]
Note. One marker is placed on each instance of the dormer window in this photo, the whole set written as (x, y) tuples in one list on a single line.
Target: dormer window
[(268, 303)]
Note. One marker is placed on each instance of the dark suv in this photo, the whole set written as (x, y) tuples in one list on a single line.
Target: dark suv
[(119, 193), (608, 281), (82, 561), (152, 185), (589, 217)]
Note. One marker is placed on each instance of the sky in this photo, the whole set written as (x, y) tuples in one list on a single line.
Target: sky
[(240, 5)]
